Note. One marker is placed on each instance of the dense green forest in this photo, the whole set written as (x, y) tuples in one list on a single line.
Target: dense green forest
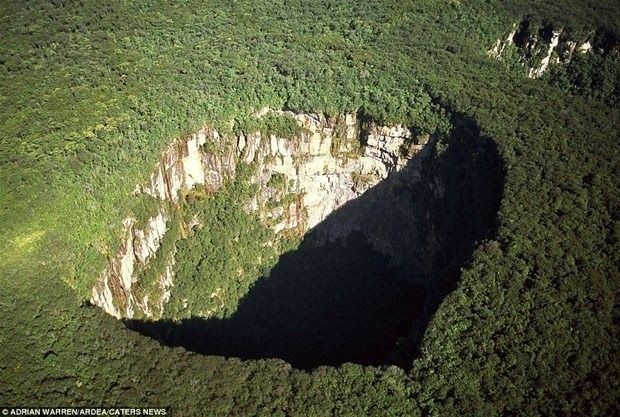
[(219, 262), (92, 92)]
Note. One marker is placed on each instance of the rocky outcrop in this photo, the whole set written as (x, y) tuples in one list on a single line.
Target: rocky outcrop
[(114, 290), (502, 44), (301, 180), (538, 47), (326, 166), (181, 167)]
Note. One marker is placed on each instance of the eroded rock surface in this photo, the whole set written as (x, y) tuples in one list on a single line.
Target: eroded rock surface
[(301, 180), (537, 48)]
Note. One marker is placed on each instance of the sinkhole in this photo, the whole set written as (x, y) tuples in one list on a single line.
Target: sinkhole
[(364, 283)]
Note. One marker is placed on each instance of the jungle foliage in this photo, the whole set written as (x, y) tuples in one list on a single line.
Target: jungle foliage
[(225, 254), (589, 75), (92, 92)]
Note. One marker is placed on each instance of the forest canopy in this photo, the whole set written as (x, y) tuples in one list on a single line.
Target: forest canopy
[(92, 92)]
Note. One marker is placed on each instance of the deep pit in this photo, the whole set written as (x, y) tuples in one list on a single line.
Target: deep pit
[(364, 282)]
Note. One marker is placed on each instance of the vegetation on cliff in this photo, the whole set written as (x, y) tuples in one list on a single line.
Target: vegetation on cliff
[(223, 257)]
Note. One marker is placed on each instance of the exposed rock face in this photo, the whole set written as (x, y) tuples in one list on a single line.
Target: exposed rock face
[(301, 181), (539, 47), (502, 43), (181, 167), (326, 166), (544, 62), (113, 291)]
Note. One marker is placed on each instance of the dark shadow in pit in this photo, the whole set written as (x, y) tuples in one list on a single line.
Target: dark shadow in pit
[(385, 261)]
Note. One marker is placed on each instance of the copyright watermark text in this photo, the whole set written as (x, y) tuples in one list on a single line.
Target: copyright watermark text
[(85, 411)]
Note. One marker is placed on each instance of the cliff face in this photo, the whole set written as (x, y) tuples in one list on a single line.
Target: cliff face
[(301, 180), (113, 291), (537, 47)]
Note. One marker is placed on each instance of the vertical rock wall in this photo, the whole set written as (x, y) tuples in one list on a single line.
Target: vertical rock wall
[(332, 161), (537, 48)]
